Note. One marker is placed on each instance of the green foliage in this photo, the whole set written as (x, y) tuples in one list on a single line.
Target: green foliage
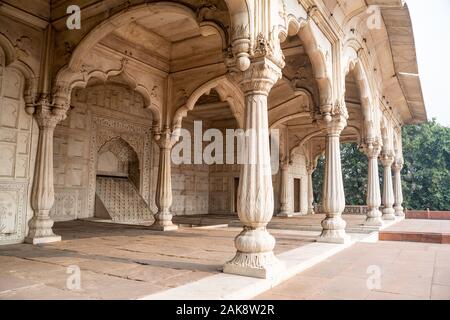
[(425, 175), (426, 172), (354, 173)]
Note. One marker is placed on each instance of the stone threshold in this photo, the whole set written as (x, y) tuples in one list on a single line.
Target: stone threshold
[(433, 215), (349, 229), (425, 237), (232, 287)]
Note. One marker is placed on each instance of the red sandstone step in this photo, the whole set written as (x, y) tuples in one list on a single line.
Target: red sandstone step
[(436, 215), (427, 237)]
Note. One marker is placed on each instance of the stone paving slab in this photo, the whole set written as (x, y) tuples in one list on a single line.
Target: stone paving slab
[(407, 271), (121, 261), (232, 287)]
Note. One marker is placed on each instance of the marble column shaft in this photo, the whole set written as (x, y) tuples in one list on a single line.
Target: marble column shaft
[(398, 193), (373, 197), (255, 204), (333, 188), (388, 192), (310, 171), (43, 193), (285, 210), (163, 200)]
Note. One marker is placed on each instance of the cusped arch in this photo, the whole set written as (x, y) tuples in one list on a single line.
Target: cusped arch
[(68, 81), (9, 58), (119, 143), (227, 91), (304, 30), (353, 63)]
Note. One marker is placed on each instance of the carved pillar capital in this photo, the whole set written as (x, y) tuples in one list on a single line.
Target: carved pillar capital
[(397, 165), (166, 138), (334, 126), (387, 159), (371, 149), (284, 164), (334, 113), (259, 77), (47, 117)]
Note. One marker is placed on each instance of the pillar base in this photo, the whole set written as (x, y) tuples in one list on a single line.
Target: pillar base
[(334, 236), (374, 222), (246, 268), (285, 214), (399, 214), (42, 240), (388, 217), (158, 227)]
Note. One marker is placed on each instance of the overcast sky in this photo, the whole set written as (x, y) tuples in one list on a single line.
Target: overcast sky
[(431, 24)]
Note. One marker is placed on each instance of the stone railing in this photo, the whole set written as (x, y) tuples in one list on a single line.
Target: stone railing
[(347, 210)]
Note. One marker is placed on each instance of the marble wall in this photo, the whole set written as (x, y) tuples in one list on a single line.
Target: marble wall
[(18, 141), (101, 113)]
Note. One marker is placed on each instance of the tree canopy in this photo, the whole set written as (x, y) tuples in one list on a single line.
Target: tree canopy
[(425, 174)]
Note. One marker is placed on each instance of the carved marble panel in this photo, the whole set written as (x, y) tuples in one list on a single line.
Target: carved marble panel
[(13, 197)]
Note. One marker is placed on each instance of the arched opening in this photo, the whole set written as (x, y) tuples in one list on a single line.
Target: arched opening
[(205, 174), (293, 101), (103, 149), (116, 158), (165, 53)]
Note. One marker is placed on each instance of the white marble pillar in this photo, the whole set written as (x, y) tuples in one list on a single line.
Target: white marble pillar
[(310, 169), (254, 256), (43, 194), (398, 193), (388, 192), (163, 218), (333, 188), (285, 210), (373, 197)]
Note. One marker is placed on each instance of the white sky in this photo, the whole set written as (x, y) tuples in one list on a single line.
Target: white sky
[(431, 24)]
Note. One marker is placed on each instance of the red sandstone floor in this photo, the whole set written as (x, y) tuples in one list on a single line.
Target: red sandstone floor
[(407, 271)]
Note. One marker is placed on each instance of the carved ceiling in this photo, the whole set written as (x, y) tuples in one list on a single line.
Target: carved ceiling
[(174, 41)]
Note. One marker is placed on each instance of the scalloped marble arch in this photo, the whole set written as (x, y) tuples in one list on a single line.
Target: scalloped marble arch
[(68, 80), (353, 62), (300, 92), (8, 58), (227, 92), (67, 75), (123, 142), (302, 28), (316, 133)]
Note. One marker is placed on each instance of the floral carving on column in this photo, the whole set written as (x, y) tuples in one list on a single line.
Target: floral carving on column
[(255, 204), (333, 226)]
